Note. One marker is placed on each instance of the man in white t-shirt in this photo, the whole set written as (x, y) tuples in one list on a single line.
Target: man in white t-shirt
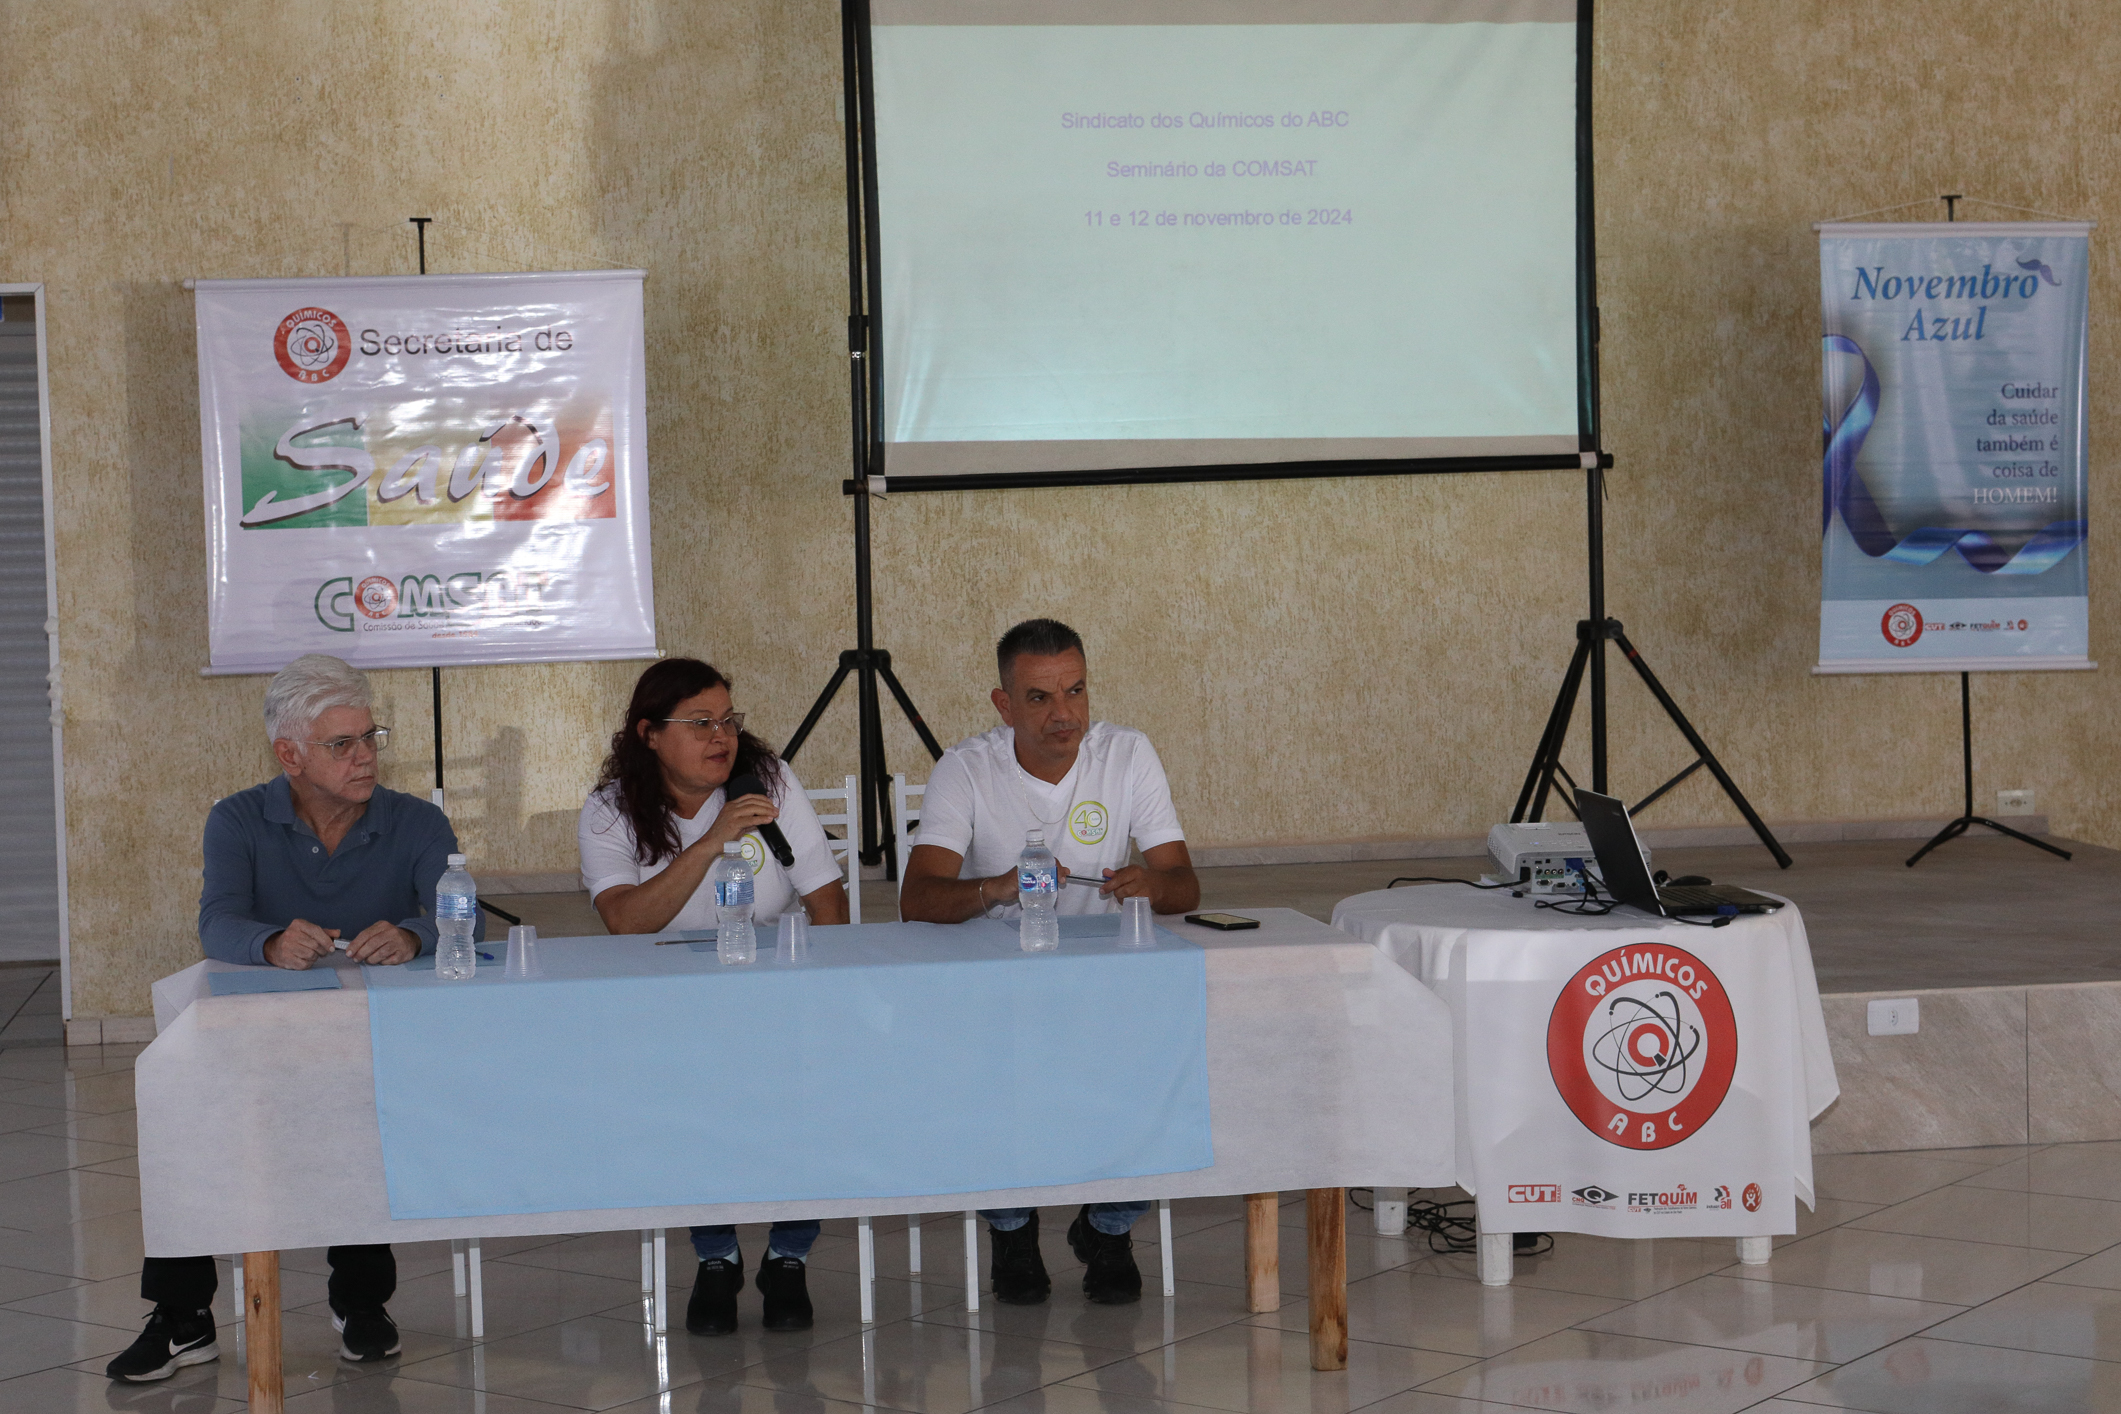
[(1089, 787)]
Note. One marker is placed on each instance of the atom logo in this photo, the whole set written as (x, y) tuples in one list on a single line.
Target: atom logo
[(1646, 1053), (1902, 625), (376, 597), (1642, 1045), (312, 345)]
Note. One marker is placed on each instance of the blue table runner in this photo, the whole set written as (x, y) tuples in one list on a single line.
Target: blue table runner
[(244, 984), (900, 1060)]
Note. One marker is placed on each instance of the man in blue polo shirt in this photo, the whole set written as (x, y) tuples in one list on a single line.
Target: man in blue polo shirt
[(318, 859)]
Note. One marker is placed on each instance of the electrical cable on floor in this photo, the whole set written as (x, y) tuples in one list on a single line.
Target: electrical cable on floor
[(1451, 1231)]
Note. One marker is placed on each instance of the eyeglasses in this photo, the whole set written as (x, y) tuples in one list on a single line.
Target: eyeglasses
[(733, 723), (340, 747)]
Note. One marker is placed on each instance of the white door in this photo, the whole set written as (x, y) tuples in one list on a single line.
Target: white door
[(30, 901)]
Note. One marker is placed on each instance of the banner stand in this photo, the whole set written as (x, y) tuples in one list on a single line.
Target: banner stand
[(1969, 819), (420, 223)]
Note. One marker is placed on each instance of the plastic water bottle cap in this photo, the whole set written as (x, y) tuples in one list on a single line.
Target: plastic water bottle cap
[(456, 861), (1034, 837), (732, 848)]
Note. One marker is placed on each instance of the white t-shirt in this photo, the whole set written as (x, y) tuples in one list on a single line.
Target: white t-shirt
[(980, 803), (606, 839)]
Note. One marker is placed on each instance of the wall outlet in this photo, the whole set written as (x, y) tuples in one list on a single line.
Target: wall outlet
[(1901, 1016), (2014, 802)]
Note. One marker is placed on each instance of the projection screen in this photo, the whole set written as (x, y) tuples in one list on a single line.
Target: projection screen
[(1113, 235)]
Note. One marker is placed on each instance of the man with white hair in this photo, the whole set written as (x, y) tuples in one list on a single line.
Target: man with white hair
[(317, 859)]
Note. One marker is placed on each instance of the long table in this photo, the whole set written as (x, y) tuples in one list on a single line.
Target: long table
[(1328, 1067)]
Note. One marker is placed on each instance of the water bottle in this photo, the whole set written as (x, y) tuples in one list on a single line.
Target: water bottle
[(456, 912), (734, 939), (1038, 890)]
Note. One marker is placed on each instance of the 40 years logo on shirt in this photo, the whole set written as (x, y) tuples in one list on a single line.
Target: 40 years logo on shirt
[(1642, 1045), (1088, 822)]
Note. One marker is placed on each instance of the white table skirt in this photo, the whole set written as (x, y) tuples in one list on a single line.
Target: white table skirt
[(1329, 1066), (1516, 1132)]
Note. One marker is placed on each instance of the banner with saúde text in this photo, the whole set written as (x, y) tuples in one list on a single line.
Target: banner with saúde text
[(438, 469), (1953, 458)]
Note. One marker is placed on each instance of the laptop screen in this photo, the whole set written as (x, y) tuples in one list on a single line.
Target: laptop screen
[(1619, 853)]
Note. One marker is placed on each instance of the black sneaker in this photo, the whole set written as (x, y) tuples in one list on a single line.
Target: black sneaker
[(782, 1282), (712, 1309), (365, 1333), (172, 1340), (1016, 1268), (1111, 1278)]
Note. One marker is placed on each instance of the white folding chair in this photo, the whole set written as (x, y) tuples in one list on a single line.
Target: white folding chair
[(905, 819), (845, 812)]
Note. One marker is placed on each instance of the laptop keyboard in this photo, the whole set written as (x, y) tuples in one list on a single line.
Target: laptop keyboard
[(1703, 896)]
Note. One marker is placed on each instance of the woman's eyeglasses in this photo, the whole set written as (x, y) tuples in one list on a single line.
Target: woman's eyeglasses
[(708, 726)]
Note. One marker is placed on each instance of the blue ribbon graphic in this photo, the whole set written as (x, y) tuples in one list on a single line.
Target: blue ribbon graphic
[(1843, 489)]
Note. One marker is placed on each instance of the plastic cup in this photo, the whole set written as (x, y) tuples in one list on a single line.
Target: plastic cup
[(791, 938), (1136, 928), (522, 952)]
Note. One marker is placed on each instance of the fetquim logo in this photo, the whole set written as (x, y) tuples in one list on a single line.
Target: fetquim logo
[(1642, 1044), (312, 345)]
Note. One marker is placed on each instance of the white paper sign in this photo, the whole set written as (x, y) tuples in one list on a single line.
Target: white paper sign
[(425, 469)]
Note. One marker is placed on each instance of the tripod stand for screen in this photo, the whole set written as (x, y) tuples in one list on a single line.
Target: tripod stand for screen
[(865, 660), (1592, 635)]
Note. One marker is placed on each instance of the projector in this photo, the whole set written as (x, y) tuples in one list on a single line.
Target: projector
[(1546, 858)]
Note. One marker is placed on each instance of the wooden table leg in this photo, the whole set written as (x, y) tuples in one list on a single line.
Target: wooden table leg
[(261, 1330), (1262, 1252), (1327, 1223)]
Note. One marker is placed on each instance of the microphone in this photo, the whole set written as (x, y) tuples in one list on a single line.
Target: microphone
[(770, 832)]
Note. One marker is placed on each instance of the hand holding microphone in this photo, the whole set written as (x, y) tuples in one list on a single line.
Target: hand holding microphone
[(770, 831)]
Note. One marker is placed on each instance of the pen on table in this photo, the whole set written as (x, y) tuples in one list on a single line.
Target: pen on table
[(1087, 882)]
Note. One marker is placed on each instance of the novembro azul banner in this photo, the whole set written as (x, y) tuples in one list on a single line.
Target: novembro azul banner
[(425, 470), (1953, 446)]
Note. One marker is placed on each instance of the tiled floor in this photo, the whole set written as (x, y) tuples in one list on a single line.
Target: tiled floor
[(1966, 1280)]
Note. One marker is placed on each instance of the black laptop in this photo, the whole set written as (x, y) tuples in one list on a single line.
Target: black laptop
[(1628, 880)]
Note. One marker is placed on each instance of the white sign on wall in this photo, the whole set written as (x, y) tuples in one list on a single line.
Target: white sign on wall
[(425, 469)]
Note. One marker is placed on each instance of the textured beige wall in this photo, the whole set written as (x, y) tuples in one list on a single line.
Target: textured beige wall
[(1324, 659)]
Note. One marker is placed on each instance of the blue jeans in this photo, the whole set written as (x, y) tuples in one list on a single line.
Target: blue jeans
[(1109, 1218), (783, 1240)]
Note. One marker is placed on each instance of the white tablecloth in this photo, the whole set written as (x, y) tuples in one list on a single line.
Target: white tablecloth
[(1328, 1067), (1701, 1129)]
